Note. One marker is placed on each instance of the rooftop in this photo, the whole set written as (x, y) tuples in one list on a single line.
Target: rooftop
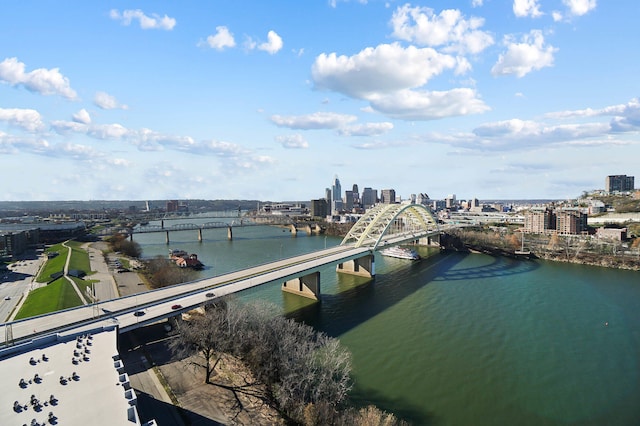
[(69, 380)]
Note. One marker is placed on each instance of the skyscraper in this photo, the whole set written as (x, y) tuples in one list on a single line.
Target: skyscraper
[(388, 196), (336, 196), (619, 183), (336, 190), (369, 197)]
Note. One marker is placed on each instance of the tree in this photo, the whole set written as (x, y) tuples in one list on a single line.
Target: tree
[(203, 339), (119, 242), (162, 272), (294, 365)]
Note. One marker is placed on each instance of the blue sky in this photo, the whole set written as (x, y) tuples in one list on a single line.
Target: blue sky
[(269, 100)]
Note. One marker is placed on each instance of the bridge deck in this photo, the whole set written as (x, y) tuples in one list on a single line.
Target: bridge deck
[(157, 304)]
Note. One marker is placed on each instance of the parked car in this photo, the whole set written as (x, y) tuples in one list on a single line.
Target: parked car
[(176, 306), (138, 313)]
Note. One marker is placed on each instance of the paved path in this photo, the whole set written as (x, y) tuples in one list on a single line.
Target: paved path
[(66, 272), (106, 287)]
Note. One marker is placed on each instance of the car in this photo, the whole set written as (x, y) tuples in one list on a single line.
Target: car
[(138, 313), (209, 294), (176, 306), (7, 298)]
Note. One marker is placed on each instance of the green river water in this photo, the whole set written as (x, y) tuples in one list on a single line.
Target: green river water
[(461, 339)]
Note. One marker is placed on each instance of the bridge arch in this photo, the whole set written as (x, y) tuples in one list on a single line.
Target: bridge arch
[(369, 230)]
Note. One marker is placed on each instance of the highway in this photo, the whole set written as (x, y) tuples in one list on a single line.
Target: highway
[(157, 304)]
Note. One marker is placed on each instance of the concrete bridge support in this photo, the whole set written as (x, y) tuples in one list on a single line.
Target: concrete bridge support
[(200, 234), (306, 286), (433, 240), (363, 266), (167, 239), (294, 230), (229, 233)]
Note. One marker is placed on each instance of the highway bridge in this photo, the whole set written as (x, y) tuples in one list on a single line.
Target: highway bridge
[(383, 226)]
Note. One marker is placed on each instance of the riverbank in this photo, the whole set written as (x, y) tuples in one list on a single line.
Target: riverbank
[(567, 251)]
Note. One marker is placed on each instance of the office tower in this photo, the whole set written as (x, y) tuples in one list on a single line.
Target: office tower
[(619, 183), (388, 196)]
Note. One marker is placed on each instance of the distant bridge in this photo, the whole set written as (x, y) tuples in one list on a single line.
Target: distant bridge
[(385, 225)]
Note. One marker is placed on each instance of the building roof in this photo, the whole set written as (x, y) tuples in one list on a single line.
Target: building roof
[(71, 380)]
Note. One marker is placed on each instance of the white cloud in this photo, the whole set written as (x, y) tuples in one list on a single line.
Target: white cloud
[(430, 105), (448, 30), (108, 131), (367, 129), (119, 162), (63, 127), (41, 80), (221, 39), (524, 8), (106, 101), (82, 117), (11, 144), (334, 3), (296, 141), (476, 3), (317, 120), (383, 69), (273, 45), (580, 7), (154, 21), (524, 57), (27, 119)]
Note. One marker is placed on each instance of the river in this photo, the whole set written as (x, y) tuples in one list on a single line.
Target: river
[(461, 339)]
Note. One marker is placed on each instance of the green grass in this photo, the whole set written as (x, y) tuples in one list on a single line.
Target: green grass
[(56, 296), (83, 285), (79, 257), (53, 265)]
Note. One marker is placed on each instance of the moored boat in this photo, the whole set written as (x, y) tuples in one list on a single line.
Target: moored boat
[(400, 253)]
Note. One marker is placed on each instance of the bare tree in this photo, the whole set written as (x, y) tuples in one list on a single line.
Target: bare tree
[(292, 364), (203, 339)]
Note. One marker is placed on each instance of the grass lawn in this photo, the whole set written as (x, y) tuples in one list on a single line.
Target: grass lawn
[(53, 265), (79, 257), (56, 296), (83, 285)]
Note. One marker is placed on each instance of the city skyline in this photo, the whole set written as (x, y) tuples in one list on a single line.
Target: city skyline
[(520, 99)]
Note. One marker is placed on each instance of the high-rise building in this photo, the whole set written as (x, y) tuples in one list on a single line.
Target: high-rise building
[(450, 201), (356, 194), (423, 199), (388, 196), (336, 190), (571, 221), (319, 208), (348, 200), (336, 196), (172, 206), (619, 183), (539, 221), (369, 197)]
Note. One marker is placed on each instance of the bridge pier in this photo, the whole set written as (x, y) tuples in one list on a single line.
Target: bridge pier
[(433, 240), (294, 230), (200, 234), (229, 233), (363, 266), (305, 286), (167, 239)]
